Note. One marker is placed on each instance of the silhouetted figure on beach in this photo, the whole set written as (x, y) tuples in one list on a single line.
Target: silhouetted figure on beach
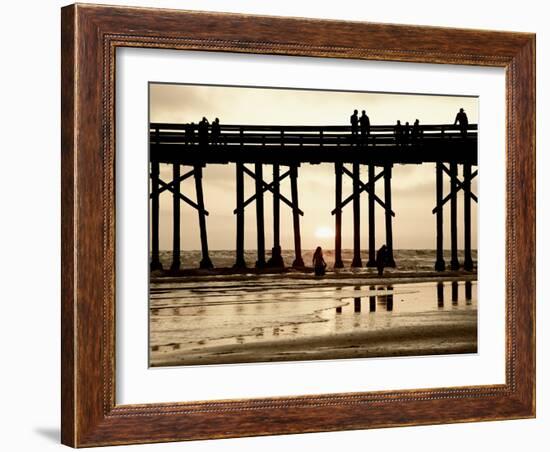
[(216, 131), (462, 120), (416, 132), (319, 263), (364, 123), (406, 133), (203, 132), (381, 259), (354, 121), (398, 132)]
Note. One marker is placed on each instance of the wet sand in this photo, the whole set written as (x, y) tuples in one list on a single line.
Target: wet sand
[(221, 319)]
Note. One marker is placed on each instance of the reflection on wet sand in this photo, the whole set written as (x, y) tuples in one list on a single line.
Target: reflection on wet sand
[(269, 321)]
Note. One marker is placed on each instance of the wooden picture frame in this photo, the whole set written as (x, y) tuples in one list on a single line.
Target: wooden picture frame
[(90, 36)]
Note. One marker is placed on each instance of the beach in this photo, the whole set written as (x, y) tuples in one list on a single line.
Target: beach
[(242, 318)]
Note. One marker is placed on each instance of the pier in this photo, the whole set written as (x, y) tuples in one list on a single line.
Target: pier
[(279, 151)]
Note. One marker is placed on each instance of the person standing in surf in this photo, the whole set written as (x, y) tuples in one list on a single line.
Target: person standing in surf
[(381, 258), (319, 263)]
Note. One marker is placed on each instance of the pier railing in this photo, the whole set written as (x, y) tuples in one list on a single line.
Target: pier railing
[(253, 143)]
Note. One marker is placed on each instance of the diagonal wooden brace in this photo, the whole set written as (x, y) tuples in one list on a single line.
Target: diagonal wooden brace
[(459, 186), (268, 187), (362, 187), (173, 183), (182, 196)]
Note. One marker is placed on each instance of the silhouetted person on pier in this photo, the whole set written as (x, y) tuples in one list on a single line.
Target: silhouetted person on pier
[(398, 132), (381, 259), (462, 121), (319, 263), (416, 132), (354, 120), (215, 133), (203, 132), (364, 123), (406, 133)]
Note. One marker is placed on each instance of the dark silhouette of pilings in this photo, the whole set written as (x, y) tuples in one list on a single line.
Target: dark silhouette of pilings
[(467, 172), (260, 263), (372, 230), (455, 265), (356, 262), (176, 243), (338, 217), (298, 261), (440, 262), (389, 234), (239, 176), (155, 173), (205, 262)]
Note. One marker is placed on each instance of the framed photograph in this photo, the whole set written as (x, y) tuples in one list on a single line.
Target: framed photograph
[(281, 225)]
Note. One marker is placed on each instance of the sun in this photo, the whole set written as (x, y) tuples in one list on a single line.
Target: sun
[(324, 232)]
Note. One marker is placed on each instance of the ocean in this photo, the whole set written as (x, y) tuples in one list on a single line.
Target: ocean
[(406, 260)]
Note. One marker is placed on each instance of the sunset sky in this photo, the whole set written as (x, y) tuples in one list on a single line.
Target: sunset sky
[(413, 186)]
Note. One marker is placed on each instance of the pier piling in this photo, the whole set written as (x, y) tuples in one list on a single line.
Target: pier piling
[(467, 184), (356, 262), (372, 229), (260, 232), (239, 176), (455, 265), (176, 244), (205, 263), (440, 262), (338, 217), (388, 212), (155, 173), (276, 257), (298, 261)]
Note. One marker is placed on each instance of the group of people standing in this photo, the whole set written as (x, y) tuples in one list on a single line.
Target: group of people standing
[(404, 134), (206, 132), (360, 123)]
